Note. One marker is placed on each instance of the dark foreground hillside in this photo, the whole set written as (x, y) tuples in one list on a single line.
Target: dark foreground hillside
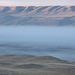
[(35, 65)]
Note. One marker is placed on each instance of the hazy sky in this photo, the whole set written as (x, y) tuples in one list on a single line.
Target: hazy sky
[(36, 2)]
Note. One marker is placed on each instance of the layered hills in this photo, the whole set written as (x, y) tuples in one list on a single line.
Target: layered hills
[(37, 15), (35, 65)]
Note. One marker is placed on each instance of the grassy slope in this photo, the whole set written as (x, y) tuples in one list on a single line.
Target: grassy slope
[(34, 65)]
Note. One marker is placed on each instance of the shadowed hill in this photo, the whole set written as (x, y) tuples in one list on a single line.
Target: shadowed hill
[(34, 65)]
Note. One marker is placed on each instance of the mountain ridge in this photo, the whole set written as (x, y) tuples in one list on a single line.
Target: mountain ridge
[(37, 15)]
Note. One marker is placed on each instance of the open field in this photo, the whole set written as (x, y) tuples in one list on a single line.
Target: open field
[(35, 65)]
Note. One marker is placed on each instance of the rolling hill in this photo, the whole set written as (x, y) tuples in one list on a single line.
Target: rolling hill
[(35, 65)]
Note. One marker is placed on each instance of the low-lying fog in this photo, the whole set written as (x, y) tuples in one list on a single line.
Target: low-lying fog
[(38, 40)]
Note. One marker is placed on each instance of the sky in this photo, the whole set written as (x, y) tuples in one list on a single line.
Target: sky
[(35, 2)]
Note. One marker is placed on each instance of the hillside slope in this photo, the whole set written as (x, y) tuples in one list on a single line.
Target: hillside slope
[(37, 15), (35, 65)]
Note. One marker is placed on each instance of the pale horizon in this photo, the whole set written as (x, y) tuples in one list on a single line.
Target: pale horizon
[(36, 3)]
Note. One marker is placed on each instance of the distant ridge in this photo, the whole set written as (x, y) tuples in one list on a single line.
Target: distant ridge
[(37, 15)]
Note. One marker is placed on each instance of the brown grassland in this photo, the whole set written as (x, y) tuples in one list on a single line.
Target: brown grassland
[(35, 65)]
